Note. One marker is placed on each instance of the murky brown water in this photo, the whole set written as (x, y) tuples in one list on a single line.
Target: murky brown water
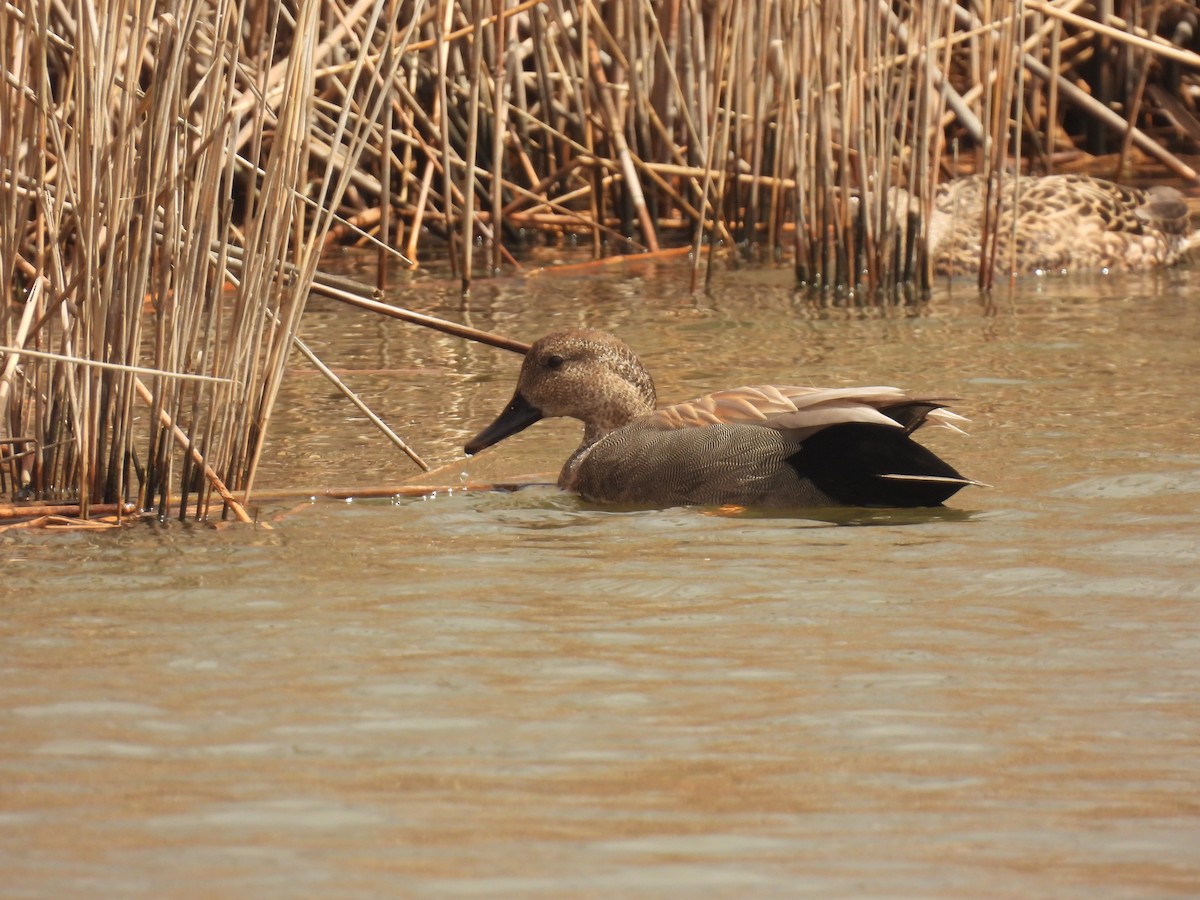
[(519, 695)]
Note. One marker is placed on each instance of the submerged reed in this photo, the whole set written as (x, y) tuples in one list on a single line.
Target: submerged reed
[(171, 170)]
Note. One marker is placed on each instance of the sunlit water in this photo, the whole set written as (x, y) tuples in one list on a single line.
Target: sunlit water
[(516, 694)]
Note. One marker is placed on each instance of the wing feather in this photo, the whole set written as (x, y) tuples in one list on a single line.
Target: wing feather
[(796, 409)]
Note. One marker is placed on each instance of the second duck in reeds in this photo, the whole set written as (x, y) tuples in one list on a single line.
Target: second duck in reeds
[(1059, 224), (768, 446)]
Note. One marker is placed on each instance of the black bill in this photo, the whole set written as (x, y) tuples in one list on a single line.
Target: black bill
[(517, 416)]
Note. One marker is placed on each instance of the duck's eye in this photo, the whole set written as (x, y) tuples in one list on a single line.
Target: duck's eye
[(554, 362)]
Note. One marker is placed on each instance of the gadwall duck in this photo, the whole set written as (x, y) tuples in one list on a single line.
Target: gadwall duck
[(768, 445), (1059, 223)]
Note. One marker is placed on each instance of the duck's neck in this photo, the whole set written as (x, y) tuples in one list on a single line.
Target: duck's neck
[(592, 432), (623, 402)]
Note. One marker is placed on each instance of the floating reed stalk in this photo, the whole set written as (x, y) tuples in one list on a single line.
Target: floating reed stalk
[(171, 171)]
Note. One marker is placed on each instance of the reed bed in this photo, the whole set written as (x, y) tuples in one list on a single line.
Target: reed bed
[(172, 170), (165, 207)]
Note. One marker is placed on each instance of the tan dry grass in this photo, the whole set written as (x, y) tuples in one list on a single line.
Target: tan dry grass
[(194, 157)]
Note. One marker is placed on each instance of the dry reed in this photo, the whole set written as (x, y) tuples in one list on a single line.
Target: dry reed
[(171, 170)]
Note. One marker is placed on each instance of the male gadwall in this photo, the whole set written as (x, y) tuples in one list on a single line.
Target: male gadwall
[(1060, 223), (768, 445)]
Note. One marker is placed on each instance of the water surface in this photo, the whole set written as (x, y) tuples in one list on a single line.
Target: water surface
[(517, 694)]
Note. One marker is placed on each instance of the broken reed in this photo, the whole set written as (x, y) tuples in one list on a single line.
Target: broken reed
[(171, 171)]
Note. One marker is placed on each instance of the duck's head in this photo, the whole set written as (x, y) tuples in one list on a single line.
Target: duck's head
[(584, 374)]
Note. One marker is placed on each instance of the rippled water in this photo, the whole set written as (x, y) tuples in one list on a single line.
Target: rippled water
[(522, 695)]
